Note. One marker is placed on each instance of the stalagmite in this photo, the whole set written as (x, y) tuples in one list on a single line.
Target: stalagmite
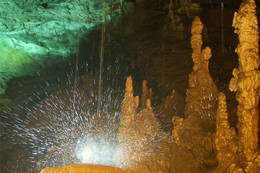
[(137, 131), (194, 135), (246, 78), (126, 132), (147, 130), (225, 137), (129, 106), (202, 93), (196, 41), (147, 122), (146, 93)]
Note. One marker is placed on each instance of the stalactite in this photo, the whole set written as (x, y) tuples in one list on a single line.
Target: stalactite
[(226, 142), (246, 78)]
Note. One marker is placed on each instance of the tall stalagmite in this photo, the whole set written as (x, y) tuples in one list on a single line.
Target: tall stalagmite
[(129, 105), (246, 78), (202, 93), (126, 132), (194, 147)]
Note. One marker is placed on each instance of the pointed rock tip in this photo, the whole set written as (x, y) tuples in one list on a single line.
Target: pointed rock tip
[(129, 84)]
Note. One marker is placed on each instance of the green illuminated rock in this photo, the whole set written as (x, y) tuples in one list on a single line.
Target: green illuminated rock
[(34, 33)]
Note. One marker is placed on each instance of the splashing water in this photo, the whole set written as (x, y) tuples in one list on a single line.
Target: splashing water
[(58, 131)]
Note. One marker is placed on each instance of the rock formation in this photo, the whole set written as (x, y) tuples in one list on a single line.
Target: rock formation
[(129, 105), (137, 132), (238, 153), (171, 106), (245, 81), (177, 123), (194, 135), (226, 141), (146, 93), (126, 131), (175, 23), (202, 93)]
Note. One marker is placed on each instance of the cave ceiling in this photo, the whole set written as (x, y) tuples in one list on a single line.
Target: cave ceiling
[(34, 33)]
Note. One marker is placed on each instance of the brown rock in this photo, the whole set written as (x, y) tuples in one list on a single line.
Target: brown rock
[(226, 141), (246, 78)]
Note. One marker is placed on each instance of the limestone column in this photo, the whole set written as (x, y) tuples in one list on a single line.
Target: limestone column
[(246, 77)]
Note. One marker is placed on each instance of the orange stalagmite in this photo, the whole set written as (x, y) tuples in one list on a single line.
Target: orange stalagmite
[(126, 131), (201, 97), (194, 143), (196, 41), (146, 93), (246, 78), (136, 131), (130, 104), (226, 141)]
